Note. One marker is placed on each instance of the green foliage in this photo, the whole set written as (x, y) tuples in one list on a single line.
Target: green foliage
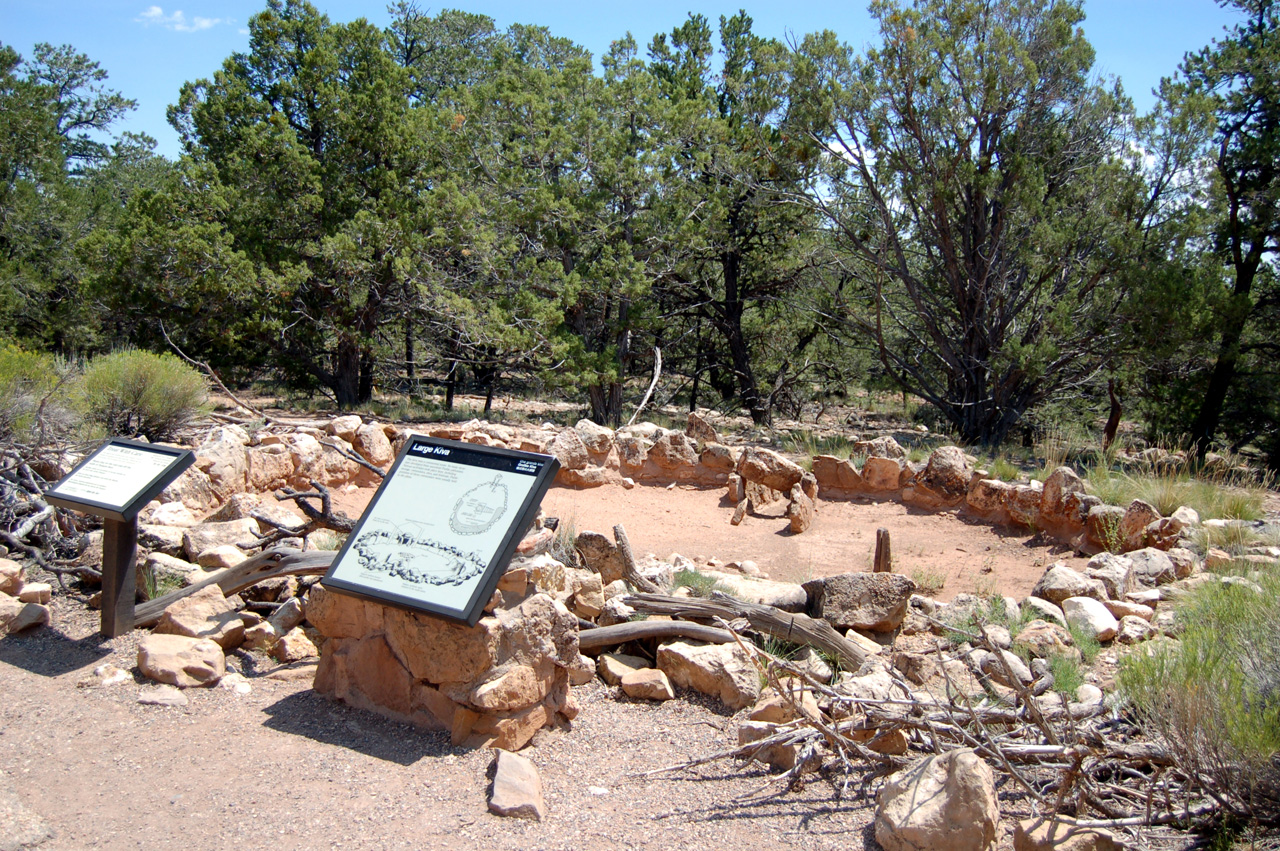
[(1086, 642), (1067, 676), (136, 393), (928, 582), (1214, 696)]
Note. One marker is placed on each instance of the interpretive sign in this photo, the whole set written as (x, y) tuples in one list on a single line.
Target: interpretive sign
[(442, 527), (119, 478), (115, 482)]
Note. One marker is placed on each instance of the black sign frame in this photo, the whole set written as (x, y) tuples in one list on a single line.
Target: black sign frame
[(540, 468), (181, 459)]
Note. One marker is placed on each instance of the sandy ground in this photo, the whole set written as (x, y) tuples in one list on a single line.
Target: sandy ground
[(281, 767)]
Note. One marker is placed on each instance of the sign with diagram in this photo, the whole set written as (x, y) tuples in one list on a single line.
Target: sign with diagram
[(442, 528), (119, 478)]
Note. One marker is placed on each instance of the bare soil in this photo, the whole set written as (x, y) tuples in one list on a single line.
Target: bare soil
[(282, 767)]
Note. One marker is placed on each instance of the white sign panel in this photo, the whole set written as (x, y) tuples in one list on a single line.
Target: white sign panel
[(447, 517), (120, 477)]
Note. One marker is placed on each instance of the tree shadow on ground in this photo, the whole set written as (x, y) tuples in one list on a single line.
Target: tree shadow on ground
[(49, 652), (306, 713)]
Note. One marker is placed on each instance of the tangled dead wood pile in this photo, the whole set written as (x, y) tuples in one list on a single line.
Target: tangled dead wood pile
[(1081, 763)]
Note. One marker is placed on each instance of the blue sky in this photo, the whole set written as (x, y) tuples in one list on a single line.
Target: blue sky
[(151, 50)]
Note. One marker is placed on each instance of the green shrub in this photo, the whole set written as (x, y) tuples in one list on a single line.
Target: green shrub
[(1086, 642), (699, 584), (1067, 676), (1174, 487), (1214, 696), (136, 393)]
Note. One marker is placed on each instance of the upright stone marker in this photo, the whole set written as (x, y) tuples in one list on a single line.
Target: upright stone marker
[(115, 482)]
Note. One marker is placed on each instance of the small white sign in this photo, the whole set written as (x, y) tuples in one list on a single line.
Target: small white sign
[(115, 475)]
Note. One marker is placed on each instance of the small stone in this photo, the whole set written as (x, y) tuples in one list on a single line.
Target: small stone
[(612, 667), (1133, 629), (36, 592), (162, 695), (1090, 615), (293, 646), (517, 788), (647, 684), (236, 684)]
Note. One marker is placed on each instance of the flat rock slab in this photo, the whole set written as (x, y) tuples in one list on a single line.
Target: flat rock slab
[(517, 788)]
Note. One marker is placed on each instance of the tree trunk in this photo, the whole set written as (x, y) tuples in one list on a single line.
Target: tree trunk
[(1224, 369), (408, 348), (346, 373), (450, 383)]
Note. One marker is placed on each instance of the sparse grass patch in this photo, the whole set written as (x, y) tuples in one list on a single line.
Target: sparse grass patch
[(928, 581), (326, 539), (806, 444), (1086, 643), (1169, 489), (564, 546), (699, 584)]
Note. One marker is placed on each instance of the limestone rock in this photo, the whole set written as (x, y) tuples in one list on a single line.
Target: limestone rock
[(1133, 629), (945, 802), (781, 595), (341, 615), (1121, 609), (205, 614), (834, 473), (1152, 567), (289, 615), (36, 592), (1137, 516), (17, 616), (779, 757), (673, 450), (880, 447), (701, 431), (344, 427), (1091, 616), (587, 477), (597, 438), (647, 684), (987, 497), (370, 440), (947, 474), (193, 489), (872, 601), (1102, 527), (181, 660), (1056, 505), (612, 667), (766, 467), (717, 456), (990, 665), (569, 449), (599, 554), (517, 788), (800, 511), (719, 670), (11, 577), (161, 539), (172, 514), (1022, 502), (217, 558), (293, 646), (1041, 608), (210, 535), (1060, 582), (881, 474), (775, 708), (1045, 639), (270, 467), (1115, 572), (162, 695)]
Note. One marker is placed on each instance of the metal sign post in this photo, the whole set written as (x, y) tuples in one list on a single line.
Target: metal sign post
[(115, 482)]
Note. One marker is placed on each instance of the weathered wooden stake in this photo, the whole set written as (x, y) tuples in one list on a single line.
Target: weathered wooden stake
[(119, 575), (884, 558)]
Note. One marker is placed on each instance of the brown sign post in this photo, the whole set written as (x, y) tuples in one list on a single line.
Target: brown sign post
[(115, 482)]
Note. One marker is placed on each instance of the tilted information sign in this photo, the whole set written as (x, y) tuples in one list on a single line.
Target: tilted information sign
[(119, 478), (442, 527)]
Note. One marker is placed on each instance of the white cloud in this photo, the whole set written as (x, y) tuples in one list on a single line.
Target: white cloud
[(178, 21)]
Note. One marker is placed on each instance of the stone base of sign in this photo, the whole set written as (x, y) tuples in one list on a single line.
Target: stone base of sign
[(491, 685)]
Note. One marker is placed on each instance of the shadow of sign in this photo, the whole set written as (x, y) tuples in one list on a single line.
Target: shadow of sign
[(48, 652), (306, 713)]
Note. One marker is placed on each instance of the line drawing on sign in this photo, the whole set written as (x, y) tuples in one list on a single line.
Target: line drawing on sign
[(477, 510), (407, 554)]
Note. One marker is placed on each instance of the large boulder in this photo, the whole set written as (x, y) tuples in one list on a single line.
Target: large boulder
[(193, 489), (1152, 567), (672, 451), (870, 601), (987, 498), (880, 447), (699, 430), (946, 475), (1115, 572), (600, 555), (1102, 527), (569, 450), (17, 616), (945, 802), (597, 438), (271, 466), (770, 469), (781, 595), (370, 440), (210, 535), (180, 660), (724, 671)]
